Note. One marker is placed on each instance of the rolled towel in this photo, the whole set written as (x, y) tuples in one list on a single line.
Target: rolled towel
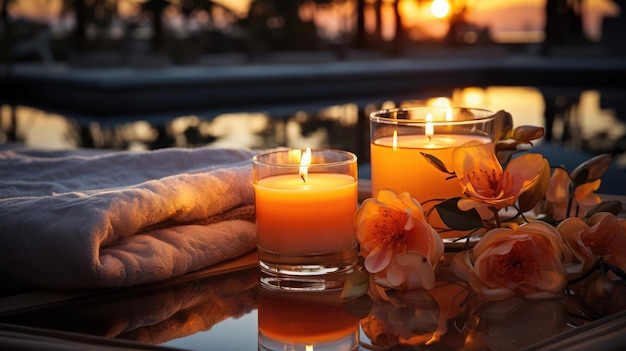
[(80, 220)]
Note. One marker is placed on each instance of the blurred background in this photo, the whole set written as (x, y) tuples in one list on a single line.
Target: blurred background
[(147, 74)]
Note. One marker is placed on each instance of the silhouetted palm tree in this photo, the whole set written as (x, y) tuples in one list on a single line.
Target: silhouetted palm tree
[(563, 23), (278, 24), (360, 36), (156, 9), (98, 12), (399, 39)]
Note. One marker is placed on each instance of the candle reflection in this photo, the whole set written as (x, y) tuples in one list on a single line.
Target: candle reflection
[(288, 322)]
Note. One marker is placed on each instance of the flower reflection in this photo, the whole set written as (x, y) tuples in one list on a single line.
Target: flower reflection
[(453, 316), (598, 296), (407, 318), (517, 322)]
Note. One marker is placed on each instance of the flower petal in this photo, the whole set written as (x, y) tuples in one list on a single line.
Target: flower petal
[(521, 173), (378, 259)]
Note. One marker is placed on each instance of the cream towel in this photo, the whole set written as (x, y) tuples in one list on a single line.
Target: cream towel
[(80, 220)]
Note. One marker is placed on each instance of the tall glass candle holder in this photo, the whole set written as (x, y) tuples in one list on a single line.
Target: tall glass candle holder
[(305, 207), (399, 136)]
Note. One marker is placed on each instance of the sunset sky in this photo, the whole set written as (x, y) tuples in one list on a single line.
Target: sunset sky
[(502, 16)]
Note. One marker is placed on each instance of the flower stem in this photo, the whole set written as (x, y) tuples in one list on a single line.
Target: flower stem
[(570, 200), (496, 217)]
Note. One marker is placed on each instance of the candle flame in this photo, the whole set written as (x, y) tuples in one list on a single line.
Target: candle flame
[(448, 114), (430, 128), (305, 162), (308, 347), (394, 140)]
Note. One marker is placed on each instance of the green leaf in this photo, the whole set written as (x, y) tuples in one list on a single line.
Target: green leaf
[(592, 169), (581, 177), (590, 265), (611, 206), (355, 286), (532, 196), (503, 124), (615, 269), (527, 133), (433, 160), (504, 156), (456, 219)]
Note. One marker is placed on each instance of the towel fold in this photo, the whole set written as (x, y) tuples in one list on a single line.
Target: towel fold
[(80, 220)]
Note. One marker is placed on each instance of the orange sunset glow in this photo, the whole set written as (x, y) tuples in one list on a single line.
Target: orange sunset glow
[(508, 20)]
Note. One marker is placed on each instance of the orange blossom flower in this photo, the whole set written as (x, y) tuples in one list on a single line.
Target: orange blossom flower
[(602, 235), (399, 246), (528, 260), (485, 183), (557, 196)]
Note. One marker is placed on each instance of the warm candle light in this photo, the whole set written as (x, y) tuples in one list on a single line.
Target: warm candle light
[(395, 140), (305, 208), (304, 164), (430, 129), (299, 217), (398, 143)]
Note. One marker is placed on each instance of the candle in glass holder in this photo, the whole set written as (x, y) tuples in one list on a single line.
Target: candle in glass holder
[(305, 206), (400, 137), (401, 166)]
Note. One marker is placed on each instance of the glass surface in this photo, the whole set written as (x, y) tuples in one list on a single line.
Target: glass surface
[(225, 312)]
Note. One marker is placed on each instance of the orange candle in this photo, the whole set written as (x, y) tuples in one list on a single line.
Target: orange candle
[(400, 165), (315, 216), (305, 207), (400, 136)]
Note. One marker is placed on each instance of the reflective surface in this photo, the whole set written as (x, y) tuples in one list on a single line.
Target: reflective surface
[(231, 312), (578, 120), (591, 119)]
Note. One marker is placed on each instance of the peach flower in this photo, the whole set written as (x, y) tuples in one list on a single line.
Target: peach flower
[(484, 181), (602, 235), (557, 196), (399, 246), (528, 261)]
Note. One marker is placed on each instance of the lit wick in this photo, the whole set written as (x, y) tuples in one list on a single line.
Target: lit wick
[(305, 161), (429, 128)]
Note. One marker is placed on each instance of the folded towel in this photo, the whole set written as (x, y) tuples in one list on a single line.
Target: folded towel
[(80, 220)]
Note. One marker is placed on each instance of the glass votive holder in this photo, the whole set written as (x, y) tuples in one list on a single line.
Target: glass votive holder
[(287, 323), (399, 136), (305, 206)]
